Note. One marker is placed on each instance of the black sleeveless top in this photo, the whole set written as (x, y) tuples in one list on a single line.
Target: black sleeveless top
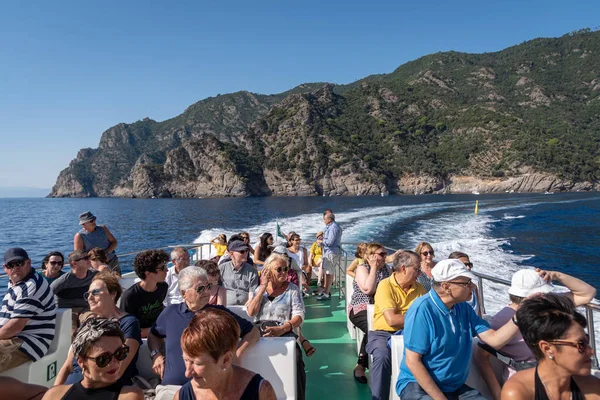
[(251, 393), (77, 391), (540, 390)]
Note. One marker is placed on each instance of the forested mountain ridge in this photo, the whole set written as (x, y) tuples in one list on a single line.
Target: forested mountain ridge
[(525, 119)]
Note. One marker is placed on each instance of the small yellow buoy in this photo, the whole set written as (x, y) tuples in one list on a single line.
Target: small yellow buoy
[(476, 206)]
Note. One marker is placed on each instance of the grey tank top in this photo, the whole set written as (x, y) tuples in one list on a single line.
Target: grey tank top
[(96, 238)]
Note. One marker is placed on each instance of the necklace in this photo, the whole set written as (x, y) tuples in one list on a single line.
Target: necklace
[(548, 392)]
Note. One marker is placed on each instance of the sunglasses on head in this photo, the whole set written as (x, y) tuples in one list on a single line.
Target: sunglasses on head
[(95, 293), (105, 358), (426, 253), (580, 345), (201, 289), (282, 269), (14, 264)]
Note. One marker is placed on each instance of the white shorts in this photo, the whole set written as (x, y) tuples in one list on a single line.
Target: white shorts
[(330, 263)]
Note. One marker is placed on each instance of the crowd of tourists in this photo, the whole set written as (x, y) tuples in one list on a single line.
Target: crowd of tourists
[(196, 342)]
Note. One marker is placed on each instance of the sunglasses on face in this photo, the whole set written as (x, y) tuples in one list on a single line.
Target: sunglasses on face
[(381, 254), (53, 263), (84, 258), (469, 264), (14, 264), (95, 293), (580, 345), (427, 253), (465, 284), (105, 358), (201, 289), (282, 269), (241, 251)]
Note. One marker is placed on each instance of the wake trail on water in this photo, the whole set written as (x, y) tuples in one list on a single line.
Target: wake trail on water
[(447, 226)]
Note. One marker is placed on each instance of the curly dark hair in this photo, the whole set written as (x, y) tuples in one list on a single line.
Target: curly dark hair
[(147, 261)]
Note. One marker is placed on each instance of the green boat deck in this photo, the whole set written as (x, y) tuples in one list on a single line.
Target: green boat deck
[(329, 372)]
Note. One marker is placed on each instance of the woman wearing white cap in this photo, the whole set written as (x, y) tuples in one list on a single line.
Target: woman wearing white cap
[(526, 282)]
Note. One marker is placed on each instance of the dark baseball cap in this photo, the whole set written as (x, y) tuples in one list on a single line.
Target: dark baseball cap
[(15, 254), (237, 245)]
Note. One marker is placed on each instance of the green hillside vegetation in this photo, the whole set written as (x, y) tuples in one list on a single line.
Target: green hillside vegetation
[(534, 106)]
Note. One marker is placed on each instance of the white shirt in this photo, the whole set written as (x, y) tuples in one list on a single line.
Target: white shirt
[(173, 294)]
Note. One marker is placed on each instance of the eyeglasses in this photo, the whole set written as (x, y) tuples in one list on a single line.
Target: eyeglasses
[(381, 254), (181, 259), (95, 293), (465, 284), (201, 289), (15, 264), (282, 269), (83, 258), (580, 345), (55, 262), (241, 251), (469, 264), (427, 253), (105, 358)]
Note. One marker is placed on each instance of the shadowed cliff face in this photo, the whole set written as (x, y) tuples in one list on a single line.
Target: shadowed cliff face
[(523, 119)]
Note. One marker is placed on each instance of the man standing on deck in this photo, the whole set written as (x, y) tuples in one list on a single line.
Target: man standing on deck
[(438, 334), (332, 239), (239, 277), (181, 259), (28, 313)]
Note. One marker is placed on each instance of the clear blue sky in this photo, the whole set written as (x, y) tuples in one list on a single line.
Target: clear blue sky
[(69, 70)]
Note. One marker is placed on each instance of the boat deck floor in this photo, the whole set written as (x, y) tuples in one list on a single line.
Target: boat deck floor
[(329, 372)]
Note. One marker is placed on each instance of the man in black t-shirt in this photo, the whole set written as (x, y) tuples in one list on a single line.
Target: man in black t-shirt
[(145, 299)]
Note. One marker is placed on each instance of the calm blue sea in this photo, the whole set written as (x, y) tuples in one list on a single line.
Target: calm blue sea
[(558, 231)]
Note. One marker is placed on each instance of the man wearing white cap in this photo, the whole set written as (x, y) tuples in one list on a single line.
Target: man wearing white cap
[(526, 282), (439, 331)]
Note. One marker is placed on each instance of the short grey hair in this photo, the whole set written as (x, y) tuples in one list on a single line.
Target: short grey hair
[(406, 258), (179, 250), (189, 275), (330, 216)]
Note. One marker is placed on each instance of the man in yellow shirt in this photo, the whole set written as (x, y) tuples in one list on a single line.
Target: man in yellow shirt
[(393, 297)]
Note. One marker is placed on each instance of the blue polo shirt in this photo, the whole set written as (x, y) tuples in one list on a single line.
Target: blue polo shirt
[(170, 325), (443, 337)]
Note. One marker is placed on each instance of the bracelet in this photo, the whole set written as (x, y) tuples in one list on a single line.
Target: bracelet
[(514, 320)]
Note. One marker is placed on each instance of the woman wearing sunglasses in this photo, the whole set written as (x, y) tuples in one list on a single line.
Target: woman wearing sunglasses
[(367, 277), (278, 309), (52, 266), (425, 251), (103, 294), (554, 331), (100, 349)]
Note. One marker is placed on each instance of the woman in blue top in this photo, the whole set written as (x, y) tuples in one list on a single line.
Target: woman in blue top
[(208, 345), (102, 296)]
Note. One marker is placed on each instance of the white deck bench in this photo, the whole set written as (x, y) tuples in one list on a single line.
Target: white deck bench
[(349, 291), (43, 372)]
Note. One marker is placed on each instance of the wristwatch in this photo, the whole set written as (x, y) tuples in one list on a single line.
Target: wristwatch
[(154, 353), (514, 320)]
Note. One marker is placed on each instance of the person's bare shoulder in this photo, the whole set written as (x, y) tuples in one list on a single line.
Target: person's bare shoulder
[(519, 386), (589, 386), (131, 393), (266, 391)]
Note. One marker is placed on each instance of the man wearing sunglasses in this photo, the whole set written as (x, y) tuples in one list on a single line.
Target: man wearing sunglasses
[(238, 276), (69, 288), (28, 313), (168, 328), (438, 335)]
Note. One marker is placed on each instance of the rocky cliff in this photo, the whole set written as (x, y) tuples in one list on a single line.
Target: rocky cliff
[(526, 119)]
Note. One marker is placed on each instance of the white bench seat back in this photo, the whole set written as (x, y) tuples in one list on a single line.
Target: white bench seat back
[(349, 291), (240, 311), (397, 354), (370, 315), (275, 360), (43, 372)]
